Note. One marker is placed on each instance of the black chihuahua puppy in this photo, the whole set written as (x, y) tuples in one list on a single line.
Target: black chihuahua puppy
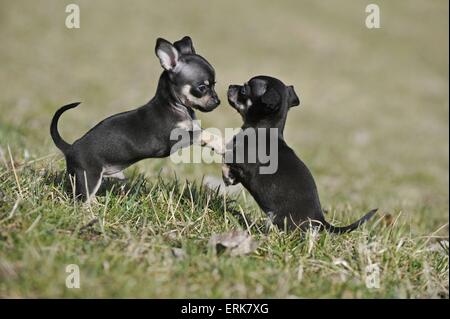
[(289, 196), (187, 83)]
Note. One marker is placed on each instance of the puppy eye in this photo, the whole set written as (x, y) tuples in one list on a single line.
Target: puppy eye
[(202, 88), (243, 91)]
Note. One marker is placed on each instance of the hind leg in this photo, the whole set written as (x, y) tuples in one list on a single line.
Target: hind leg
[(118, 175), (87, 183)]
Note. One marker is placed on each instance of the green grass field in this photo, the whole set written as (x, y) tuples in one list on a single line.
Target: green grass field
[(372, 127)]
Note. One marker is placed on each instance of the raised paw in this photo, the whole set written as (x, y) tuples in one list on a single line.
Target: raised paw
[(227, 176)]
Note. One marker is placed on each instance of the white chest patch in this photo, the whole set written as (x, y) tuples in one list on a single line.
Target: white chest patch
[(185, 125)]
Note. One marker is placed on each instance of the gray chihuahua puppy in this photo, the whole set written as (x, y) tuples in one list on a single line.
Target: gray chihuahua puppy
[(187, 83), (289, 196)]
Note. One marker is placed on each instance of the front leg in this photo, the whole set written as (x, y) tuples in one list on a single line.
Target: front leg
[(212, 141), (227, 175)]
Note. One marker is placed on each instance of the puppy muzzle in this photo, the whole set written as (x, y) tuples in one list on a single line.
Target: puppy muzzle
[(232, 94), (233, 98), (212, 103)]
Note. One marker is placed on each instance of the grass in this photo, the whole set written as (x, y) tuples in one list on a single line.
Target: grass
[(124, 246), (373, 128)]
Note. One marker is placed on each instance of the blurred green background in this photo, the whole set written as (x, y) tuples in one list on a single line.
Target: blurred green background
[(373, 120)]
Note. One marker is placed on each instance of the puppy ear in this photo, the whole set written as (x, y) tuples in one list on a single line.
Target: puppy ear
[(167, 54), (184, 46), (293, 99), (271, 99)]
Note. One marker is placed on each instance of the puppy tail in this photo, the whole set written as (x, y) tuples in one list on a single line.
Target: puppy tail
[(351, 227), (57, 139)]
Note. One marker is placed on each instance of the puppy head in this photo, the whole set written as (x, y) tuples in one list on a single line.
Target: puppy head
[(192, 78), (262, 98)]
